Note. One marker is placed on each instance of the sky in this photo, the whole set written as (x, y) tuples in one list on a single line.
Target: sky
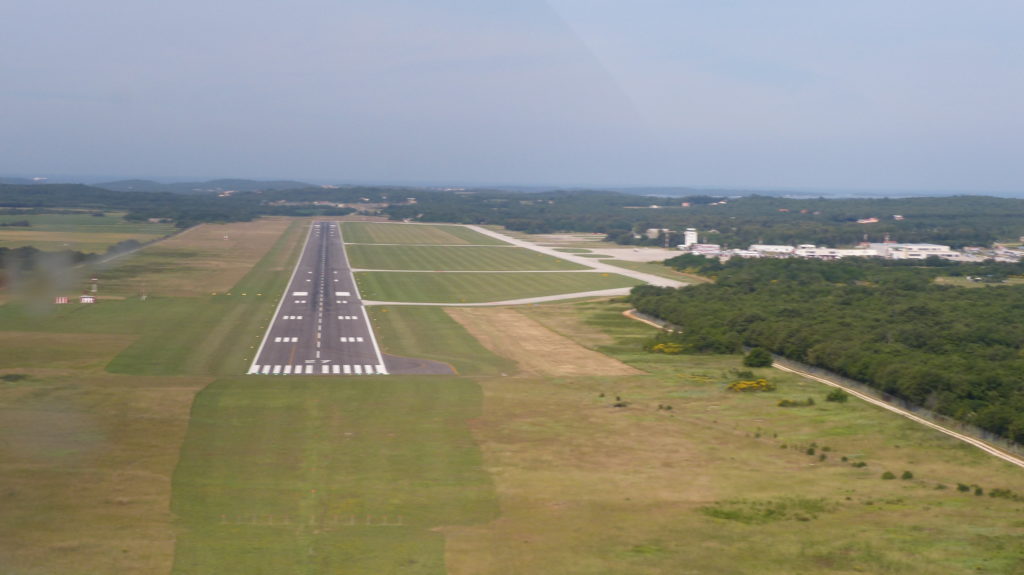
[(921, 95)]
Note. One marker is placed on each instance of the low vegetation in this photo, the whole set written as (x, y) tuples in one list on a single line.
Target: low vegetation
[(888, 325)]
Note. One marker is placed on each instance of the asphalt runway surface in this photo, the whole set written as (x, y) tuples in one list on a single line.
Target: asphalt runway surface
[(320, 326)]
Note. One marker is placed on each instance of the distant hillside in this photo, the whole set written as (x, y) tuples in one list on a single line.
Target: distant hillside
[(210, 187), (20, 181)]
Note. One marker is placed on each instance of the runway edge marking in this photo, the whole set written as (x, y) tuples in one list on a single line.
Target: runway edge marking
[(280, 302), (381, 367)]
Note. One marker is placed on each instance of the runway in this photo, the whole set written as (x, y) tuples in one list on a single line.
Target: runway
[(320, 326)]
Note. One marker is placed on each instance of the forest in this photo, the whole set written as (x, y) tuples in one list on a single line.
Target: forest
[(732, 222), (185, 210), (958, 351)]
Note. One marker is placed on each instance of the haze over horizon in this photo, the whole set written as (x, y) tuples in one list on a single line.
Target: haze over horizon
[(792, 95)]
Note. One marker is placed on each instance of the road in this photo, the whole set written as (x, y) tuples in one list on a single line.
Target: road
[(320, 326)]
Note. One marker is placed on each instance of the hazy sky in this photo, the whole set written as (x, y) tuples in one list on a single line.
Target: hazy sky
[(913, 94)]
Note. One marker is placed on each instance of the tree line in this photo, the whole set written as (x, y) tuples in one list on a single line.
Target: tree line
[(958, 351)]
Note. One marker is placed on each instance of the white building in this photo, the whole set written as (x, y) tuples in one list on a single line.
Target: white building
[(913, 251), (814, 252), (690, 237), (771, 250)]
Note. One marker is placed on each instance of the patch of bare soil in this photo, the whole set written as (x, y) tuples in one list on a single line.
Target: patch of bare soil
[(537, 349)]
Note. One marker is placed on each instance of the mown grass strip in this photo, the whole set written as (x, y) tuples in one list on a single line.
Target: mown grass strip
[(448, 258), (396, 233), (311, 475), (455, 287), (403, 330)]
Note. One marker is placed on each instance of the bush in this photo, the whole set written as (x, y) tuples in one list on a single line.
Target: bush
[(752, 385), (795, 403), (838, 396), (907, 475), (758, 357), (888, 475), (962, 488)]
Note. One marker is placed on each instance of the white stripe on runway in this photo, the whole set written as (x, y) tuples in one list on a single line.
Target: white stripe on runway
[(254, 369), (347, 369), (309, 369), (266, 370), (277, 369), (359, 369), (326, 369), (368, 369), (287, 369), (335, 369)]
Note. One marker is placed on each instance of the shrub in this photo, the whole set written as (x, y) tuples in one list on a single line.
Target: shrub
[(888, 475), (860, 464), (758, 357), (978, 491), (962, 488), (796, 403), (907, 475), (837, 396), (752, 385)]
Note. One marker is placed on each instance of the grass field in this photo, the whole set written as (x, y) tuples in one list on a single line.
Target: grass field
[(86, 456), (205, 335), (85, 467), (401, 329), (446, 258), (522, 464), (396, 233), (79, 232), (210, 258), (308, 475), (723, 482), (458, 287)]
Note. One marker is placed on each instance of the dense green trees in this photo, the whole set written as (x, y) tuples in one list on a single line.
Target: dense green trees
[(956, 350)]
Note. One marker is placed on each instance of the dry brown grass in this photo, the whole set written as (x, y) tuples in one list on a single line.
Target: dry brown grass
[(85, 471), (58, 350), (536, 349), (199, 261), (587, 487)]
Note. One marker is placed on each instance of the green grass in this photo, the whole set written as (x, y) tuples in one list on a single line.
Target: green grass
[(296, 475), (723, 482), (573, 250), (658, 269), (79, 231), (446, 258), (209, 335), (429, 333), (395, 233), (458, 287)]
